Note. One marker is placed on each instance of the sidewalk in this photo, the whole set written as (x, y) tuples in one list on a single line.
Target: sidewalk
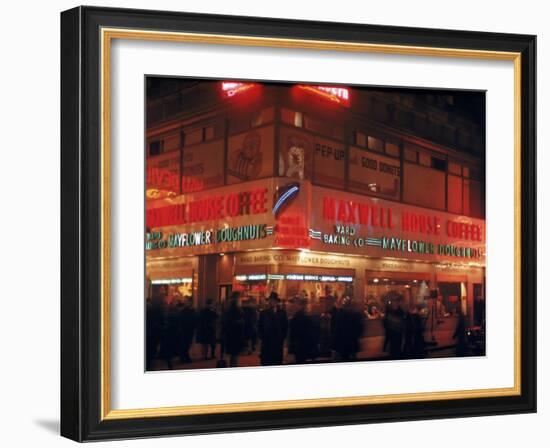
[(371, 350)]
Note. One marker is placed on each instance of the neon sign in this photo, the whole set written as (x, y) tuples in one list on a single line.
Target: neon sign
[(353, 212), (164, 179), (216, 207), (340, 95), (291, 231), (319, 278), (298, 277), (230, 88), (250, 277), (172, 281), (425, 247), (284, 195), (157, 240)]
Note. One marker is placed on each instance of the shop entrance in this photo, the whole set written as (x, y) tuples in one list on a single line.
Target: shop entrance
[(452, 299), (224, 292)]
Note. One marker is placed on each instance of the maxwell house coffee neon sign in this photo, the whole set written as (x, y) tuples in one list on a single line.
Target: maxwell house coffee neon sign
[(340, 95), (349, 212)]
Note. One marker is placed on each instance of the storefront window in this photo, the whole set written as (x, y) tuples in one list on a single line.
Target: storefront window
[(251, 286), (172, 290), (292, 287), (381, 292)]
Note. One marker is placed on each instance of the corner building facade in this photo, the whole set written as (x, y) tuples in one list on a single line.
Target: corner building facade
[(318, 191)]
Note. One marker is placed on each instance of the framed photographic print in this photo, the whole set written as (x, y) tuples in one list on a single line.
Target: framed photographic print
[(273, 224)]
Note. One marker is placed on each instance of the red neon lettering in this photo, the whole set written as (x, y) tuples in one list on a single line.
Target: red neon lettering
[(340, 95), (375, 215), (329, 209), (464, 231), (351, 211), (342, 214), (232, 205), (390, 219), (364, 214), (232, 88)]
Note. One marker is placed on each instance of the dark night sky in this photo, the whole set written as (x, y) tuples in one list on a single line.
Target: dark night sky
[(467, 104), (470, 104)]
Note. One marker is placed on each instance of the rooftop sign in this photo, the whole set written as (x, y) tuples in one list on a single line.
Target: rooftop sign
[(340, 95)]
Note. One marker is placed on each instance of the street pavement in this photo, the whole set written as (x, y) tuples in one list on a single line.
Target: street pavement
[(253, 359)]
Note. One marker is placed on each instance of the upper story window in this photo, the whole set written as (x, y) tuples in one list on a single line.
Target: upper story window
[(199, 135), (392, 149), (292, 117), (411, 155), (208, 133), (193, 137), (424, 159), (360, 139), (322, 127), (454, 168), (265, 116), (375, 144), (439, 164), (156, 147), (244, 122)]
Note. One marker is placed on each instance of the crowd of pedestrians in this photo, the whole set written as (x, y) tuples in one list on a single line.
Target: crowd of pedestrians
[(274, 330)]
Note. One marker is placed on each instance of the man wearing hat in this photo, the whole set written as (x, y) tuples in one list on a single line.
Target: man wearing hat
[(272, 329)]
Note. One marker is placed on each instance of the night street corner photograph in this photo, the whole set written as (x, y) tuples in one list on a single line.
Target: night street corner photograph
[(290, 223)]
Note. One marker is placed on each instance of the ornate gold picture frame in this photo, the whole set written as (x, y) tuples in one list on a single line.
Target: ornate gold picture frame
[(86, 41)]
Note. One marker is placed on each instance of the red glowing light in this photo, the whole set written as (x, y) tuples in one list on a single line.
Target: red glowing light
[(340, 95), (230, 88)]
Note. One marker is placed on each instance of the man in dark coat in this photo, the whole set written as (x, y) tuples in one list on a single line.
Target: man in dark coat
[(187, 321), (332, 311), (414, 334), (154, 328), (170, 334), (272, 329), (394, 324), (206, 329), (348, 330), (460, 335), (250, 325), (233, 330), (304, 332)]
